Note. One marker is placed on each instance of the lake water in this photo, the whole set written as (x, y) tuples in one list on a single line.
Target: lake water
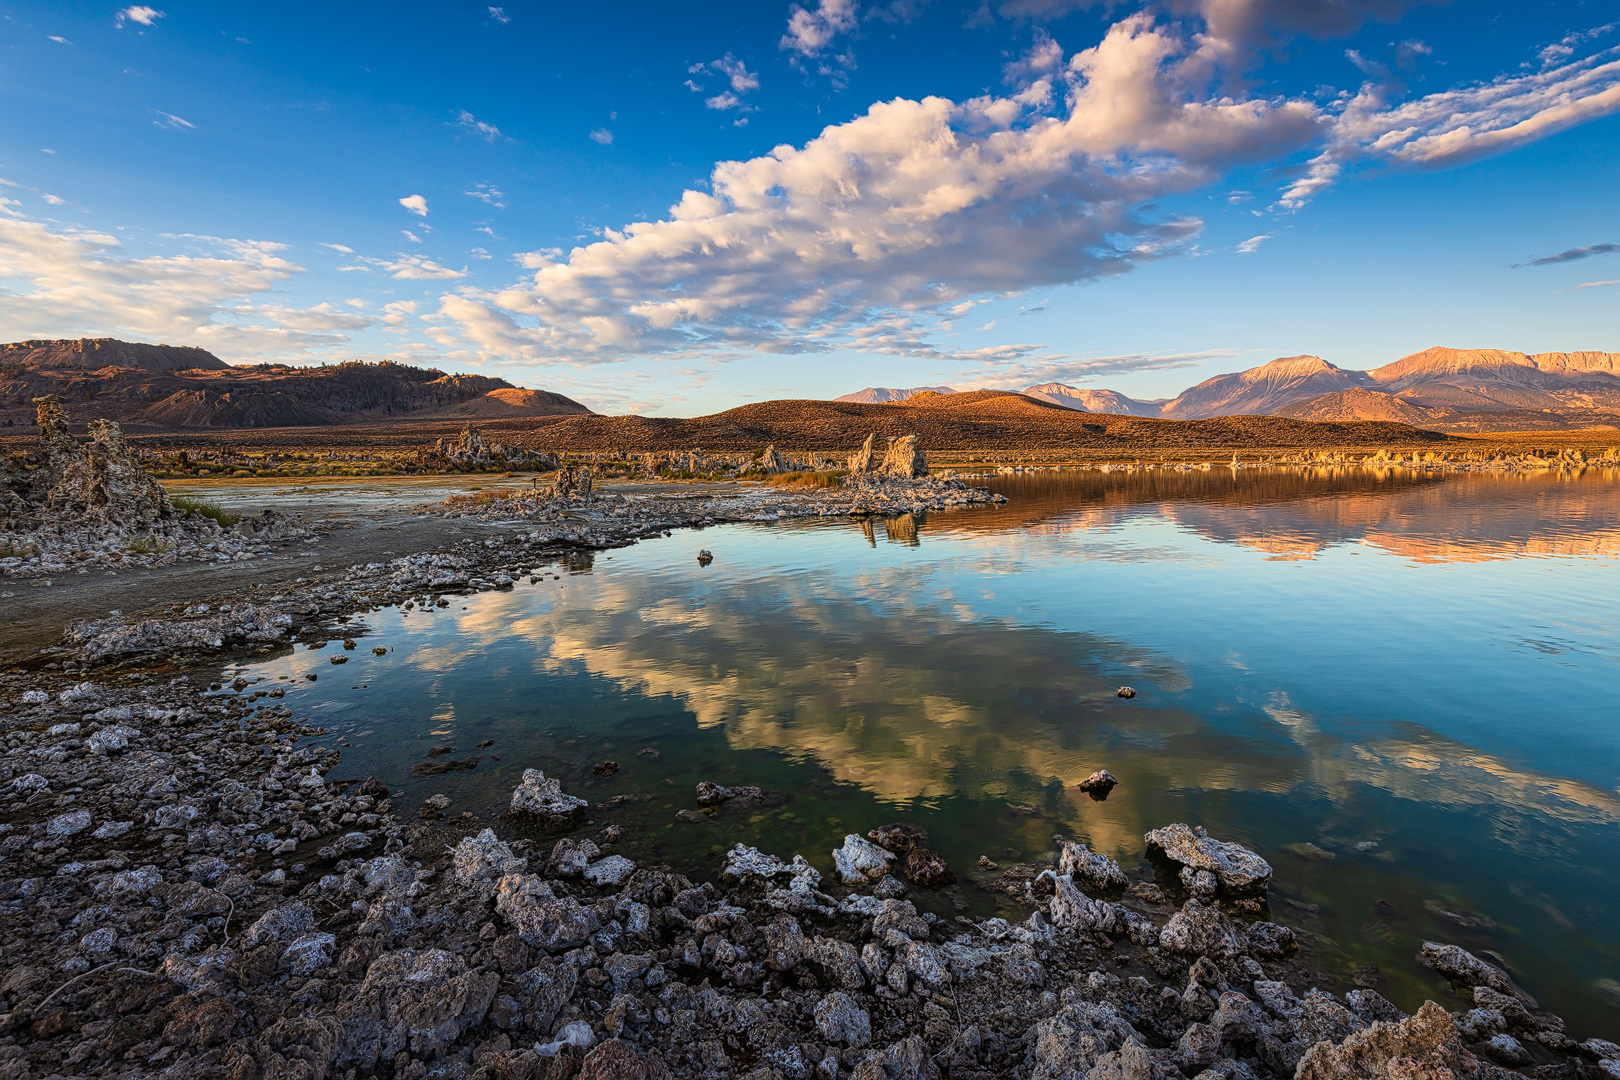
[(1403, 691)]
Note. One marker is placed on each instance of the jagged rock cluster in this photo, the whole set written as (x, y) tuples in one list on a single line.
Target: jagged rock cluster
[(471, 451), (904, 459), (100, 484), (64, 507)]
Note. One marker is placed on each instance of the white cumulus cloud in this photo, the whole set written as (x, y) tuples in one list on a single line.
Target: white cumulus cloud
[(137, 13), (809, 32), (416, 204), (73, 282)]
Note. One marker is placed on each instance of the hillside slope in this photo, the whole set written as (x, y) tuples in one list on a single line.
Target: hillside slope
[(1095, 401), (170, 387), (983, 420)]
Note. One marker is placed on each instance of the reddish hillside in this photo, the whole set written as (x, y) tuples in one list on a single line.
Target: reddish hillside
[(979, 421)]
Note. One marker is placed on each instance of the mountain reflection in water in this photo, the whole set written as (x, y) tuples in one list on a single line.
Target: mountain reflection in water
[(1400, 689)]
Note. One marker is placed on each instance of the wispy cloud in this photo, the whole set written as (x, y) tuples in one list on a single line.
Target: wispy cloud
[(1572, 255), (60, 40), (1596, 284), (603, 136), (171, 121), (488, 194), (499, 15), (339, 247), (1252, 244), (412, 237), (416, 204), (418, 268), (809, 32), (54, 200), (139, 14), (474, 126)]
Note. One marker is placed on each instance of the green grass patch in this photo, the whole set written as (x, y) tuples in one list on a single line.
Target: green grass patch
[(207, 509)]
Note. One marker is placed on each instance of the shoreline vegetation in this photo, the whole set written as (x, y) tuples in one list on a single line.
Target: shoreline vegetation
[(193, 885)]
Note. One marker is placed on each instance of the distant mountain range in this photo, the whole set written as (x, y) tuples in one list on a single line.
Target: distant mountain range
[(1435, 387), (878, 395), (181, 387)]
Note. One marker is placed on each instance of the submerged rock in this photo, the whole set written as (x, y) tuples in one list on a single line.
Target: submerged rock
[(1238, 870), (544, 797), (710, 794)]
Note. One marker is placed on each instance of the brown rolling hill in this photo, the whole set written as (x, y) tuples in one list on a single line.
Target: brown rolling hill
[(165, 386), (1361, 404), (506, 403), (985, 420)]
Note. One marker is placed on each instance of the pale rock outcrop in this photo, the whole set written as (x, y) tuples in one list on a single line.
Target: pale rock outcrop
[(1090, 868), (860, 860), (544, 797), (419, 1001), (864, 460), (1425, 1046), (1238, 870), (905, 459)]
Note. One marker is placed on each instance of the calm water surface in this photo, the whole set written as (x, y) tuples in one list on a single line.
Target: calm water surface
[(1403, 691)]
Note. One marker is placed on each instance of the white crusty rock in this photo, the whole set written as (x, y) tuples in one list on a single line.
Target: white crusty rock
[(614, 870), (841, 1020), (860, 861), (1090, 868), (544, 797), (484, 858), (1238, 869)]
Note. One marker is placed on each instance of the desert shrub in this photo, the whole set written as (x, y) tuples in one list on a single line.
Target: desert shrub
[(222, 516), (808, 479)]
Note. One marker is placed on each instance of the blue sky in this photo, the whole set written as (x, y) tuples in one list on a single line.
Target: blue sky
[(895, 194)]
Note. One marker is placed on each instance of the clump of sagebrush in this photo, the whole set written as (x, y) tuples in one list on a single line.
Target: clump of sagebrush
[(809, 479), (223, 517), (145, 545)]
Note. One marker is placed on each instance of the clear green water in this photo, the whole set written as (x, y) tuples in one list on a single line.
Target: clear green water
[(1404, 692)]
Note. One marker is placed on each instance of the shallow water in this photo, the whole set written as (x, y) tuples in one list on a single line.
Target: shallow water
[(1401, 690)]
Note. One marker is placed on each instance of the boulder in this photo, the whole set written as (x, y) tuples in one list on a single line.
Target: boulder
[(840, 1020), (1461, 966), (569, 857), (899, 838), (616, 1060), (1099, 784), (484, 858), (540, 918), (1200, 930), (413, 1000), (1089, 868), (1239, 871), (709, 794), (1425, 1046), (544, 797), (928, 868), (860, 861)]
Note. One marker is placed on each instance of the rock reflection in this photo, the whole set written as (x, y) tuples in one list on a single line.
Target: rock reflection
[(1298, 513)]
